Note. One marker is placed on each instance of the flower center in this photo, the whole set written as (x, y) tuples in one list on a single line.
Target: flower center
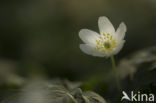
[(105, 43)]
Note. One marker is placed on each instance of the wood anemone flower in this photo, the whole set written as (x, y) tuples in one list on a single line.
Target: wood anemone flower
[(106, 43)]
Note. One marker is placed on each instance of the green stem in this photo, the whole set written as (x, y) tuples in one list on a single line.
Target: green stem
[(115, 74)]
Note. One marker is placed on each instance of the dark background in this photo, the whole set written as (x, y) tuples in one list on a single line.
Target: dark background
[(39, 38)]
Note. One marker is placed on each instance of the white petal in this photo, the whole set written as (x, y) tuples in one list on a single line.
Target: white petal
[(120, 33), (119, 47), (88, 49), (88, 36), (105, 25)]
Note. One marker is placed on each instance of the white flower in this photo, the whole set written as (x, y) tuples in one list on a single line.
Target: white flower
[(109, 42)]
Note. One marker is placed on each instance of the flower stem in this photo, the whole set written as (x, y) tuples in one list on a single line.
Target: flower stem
[(115, 74)]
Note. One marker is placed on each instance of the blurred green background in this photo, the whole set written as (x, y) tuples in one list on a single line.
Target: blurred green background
[(39, 38)]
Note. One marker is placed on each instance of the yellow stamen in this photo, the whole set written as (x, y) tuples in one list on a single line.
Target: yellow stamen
[(111, 37), (105, 43), (104, 34)]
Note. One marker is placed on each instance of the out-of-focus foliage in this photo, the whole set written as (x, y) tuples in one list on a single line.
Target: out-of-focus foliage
[(56, 91), (140, 69), (7, 73), (139, 60)]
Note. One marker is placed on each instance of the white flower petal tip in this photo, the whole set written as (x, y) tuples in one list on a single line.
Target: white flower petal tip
[(88, 36), (107, 42), (123, 26), (105, 26), (120, 32)]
